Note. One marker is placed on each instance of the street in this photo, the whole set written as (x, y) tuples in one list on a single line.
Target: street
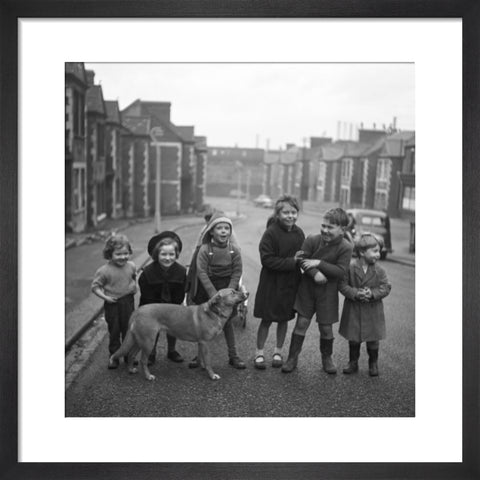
[(307, 392)]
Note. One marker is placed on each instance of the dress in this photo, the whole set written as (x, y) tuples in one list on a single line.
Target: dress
[(280, 274), (363, 321)]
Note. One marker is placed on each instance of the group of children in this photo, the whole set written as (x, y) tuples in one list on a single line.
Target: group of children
[(300, 277)]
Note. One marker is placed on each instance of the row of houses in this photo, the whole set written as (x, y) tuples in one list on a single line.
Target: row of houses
[(111, 158), (376, 171), (111, 163)]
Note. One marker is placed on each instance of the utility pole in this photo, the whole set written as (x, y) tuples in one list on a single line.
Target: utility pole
[(156, 133)]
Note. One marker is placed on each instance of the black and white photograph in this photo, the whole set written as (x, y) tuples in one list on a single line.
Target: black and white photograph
[(225, 269), (240, 239)]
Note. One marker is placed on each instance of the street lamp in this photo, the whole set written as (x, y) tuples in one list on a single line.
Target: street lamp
[(156, 133)]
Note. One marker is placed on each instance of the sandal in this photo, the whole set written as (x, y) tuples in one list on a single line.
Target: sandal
[(277, 360), (259, 362)]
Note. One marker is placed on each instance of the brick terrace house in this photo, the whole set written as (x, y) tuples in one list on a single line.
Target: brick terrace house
[(113, 174), (188, 173), (226, 164), (96, 153), (271, 170), (200, 179), (75, 153), (407, 181), (352, 175), (171, 152), (135, 165), (312, 175), (389, 167)]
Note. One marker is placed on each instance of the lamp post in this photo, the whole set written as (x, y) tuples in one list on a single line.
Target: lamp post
[(238, 166), (156, 133)]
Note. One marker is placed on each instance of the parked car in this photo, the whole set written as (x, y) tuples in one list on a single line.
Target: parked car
[(263, 201), (376, 222)]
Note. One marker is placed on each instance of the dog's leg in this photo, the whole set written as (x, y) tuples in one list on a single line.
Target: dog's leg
[(146, 349), (205, 355), (132, 368)]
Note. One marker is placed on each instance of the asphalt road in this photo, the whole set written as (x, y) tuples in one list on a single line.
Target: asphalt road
[(307, 392)]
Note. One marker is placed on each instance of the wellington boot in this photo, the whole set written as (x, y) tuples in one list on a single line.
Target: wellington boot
[(328, 365), (354, 353), (295, 348), (372, 362), (352, 367), (326, 349), (373, 368)]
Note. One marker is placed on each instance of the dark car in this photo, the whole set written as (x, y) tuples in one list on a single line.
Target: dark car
[(371, 221)]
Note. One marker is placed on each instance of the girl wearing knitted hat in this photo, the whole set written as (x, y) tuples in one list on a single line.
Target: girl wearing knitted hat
[(218, 265)]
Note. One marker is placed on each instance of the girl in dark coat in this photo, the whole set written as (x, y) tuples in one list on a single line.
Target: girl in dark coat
[(279, 277), (363, 318), (163, 281)]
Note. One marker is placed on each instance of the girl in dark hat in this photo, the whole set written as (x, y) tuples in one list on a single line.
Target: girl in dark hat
[(163, 281)]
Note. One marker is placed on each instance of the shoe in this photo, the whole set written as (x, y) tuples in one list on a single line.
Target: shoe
[(352, 367), (193, 363), (259, 362), (113, 364), (373, 369), (328, 365), (237, 362), (277, 360), (295, 349), (175, 357)]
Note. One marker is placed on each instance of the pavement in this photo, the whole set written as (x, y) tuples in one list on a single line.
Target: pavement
[(84, 255)]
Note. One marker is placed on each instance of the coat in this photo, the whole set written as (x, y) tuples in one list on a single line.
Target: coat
[(363, 321), (280, 274), (162, 286), (323, 299)]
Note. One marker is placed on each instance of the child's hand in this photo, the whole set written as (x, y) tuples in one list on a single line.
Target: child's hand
[(110, 299), (368, 293), (320, 278), (298, 255), (309, 263)]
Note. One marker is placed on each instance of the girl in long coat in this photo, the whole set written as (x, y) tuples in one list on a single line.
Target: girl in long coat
[(279, 277), (363, 317)]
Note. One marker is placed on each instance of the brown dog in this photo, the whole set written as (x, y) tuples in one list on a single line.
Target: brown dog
[(195, 323)]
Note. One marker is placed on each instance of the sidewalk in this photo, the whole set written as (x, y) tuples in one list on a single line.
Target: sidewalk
[(83, 256)]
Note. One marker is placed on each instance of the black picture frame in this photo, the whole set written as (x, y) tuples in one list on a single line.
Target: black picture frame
[(467, 10)]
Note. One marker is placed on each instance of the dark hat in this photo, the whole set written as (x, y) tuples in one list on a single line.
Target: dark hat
[(153, 242)]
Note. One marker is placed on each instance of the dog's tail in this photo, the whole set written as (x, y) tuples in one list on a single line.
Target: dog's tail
[(127, 344)]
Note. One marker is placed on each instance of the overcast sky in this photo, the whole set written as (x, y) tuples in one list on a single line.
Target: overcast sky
[(251, 104)]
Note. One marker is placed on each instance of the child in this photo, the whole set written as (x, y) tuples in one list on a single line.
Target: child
[(115, 283), (218, 265), (163, 281), (363, 319), (279, 278), (326, 257)]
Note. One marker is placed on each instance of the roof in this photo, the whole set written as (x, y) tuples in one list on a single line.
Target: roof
[(395, 144), (113, 112), (187, 133), (76, 70), (289, 156), (137, 125), (95, 102)]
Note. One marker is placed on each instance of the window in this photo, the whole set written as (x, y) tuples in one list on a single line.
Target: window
[(381, 201), (78, 114), (101, 139), (408, 199), (78, 188)]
